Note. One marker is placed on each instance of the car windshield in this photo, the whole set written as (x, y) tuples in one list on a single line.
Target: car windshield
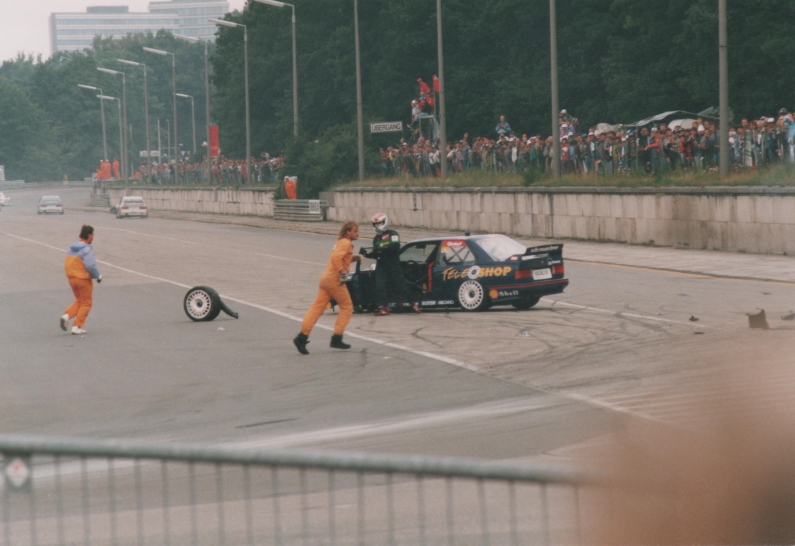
[(500, 248)]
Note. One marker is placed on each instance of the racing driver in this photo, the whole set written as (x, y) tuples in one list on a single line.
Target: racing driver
[(390, 284)]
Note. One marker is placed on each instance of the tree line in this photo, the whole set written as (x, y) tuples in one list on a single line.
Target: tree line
[(619, 61)]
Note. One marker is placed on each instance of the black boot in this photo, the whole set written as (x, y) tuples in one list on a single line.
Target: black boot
[(301, 341), (337, 343)]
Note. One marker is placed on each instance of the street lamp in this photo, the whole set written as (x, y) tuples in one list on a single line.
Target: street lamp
[(146, 112), (176, 124), (121, 129), (124, 154), (207, 99), (193, 116), (295, 62), (442, 114), (359, 107), (102, 108), (245, 61)]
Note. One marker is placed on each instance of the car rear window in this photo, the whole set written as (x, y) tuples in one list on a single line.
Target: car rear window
[(500, 248)]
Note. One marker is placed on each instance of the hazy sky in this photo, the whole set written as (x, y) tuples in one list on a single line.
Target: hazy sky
[(24, 24)]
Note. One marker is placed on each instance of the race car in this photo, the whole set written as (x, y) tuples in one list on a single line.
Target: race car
[(472, 272)]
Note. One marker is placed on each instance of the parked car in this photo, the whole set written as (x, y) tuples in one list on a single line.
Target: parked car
[(4, 199), (131, 206), (472, 272), (50, 204)]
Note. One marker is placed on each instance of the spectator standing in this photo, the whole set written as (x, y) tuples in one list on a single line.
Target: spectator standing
[(503, 128)]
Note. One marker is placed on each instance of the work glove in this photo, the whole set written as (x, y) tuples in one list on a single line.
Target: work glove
[(344, 277)]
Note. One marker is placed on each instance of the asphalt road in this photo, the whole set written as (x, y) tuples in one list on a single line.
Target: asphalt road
[(618, 347)]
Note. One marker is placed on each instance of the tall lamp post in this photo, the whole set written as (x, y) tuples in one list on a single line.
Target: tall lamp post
[(723, 75), (442, 114), (193, 116), (295, 62), (553, 55), (176, 124), (248, 112), (208, 152), (121, 119), (124, 151), (359, 106), (146, 113), (102, 108)]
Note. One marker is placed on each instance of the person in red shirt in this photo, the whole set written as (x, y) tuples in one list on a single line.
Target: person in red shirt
[(116, 166), (332, 286)]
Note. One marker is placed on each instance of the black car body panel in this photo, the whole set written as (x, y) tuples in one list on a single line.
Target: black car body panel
[(473, 272)]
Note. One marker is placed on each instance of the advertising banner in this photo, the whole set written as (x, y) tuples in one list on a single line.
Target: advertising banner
[(215, 141)]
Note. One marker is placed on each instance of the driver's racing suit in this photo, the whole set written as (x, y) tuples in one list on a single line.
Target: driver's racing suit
[(390, 284)]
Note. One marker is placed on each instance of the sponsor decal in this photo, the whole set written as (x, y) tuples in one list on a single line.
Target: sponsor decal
[(493, 294), (446, 302), (395, 239), (427, 303), (454, 244), (508, 293), (385, 237), (476, 272)]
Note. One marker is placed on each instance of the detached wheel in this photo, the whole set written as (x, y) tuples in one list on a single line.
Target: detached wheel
[(526, 303), (472, 297), (202, 304)]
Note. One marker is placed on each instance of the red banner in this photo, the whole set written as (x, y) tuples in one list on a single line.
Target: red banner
[(215, 141)]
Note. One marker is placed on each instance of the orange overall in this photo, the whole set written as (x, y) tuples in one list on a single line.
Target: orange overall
[(83, 287), (330, 287)]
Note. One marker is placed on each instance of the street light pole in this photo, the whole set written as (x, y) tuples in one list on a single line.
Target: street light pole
[(193, 116), (723, 61), (442, 114), (553, 55), (121, 119), (176, 122), (124, 150), (248, 111), (146, 112), (102, 109), (208, 151), (359, 105), (295, 61)]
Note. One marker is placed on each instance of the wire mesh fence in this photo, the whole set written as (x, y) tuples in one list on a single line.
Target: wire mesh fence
[(66, 491)]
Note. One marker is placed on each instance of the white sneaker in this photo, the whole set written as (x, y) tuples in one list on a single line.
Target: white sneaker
[(77, 331), (64, 322)]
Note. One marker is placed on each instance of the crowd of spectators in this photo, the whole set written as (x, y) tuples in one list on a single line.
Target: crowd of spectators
[(654, 148), (225, 172)]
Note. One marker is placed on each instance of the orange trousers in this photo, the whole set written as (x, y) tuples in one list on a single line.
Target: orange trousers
[(84, 292), (330, 288)]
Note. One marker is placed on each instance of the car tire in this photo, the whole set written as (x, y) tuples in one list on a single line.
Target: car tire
[(202, 304), (472, 296), (526, 303)]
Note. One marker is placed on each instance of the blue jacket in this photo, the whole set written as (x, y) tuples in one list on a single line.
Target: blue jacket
[(80, 261)]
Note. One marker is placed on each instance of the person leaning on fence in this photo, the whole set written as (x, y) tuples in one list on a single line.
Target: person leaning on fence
[(333, 285), (81, 269)]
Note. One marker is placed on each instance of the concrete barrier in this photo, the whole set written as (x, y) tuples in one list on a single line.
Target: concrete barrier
[(248, 202), (748, 219)]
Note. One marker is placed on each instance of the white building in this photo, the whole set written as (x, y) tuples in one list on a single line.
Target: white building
[(76, 31)]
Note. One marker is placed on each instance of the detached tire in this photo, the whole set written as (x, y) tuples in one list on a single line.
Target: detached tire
[(472, 296), (202, 304), (526, 303)]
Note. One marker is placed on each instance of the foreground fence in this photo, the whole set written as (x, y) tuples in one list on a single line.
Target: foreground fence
[(69, 491)]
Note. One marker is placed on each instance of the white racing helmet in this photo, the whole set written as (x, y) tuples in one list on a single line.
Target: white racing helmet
[(380, 222)]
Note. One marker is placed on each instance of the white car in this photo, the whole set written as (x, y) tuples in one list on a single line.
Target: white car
[(131, 206), (4, 199), (50, 204)]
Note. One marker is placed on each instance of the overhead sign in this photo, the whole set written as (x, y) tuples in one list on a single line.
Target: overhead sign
[(386, 127), (2, 173), (153, 153)]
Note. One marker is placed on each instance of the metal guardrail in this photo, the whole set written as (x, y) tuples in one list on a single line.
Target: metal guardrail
[(72, 491), (303, 210)]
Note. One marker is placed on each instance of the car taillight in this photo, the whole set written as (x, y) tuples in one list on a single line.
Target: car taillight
[(143, 208), (124, 208), (558, 270), (524, 274)]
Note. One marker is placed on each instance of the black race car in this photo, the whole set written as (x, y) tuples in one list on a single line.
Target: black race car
[(473, 272)]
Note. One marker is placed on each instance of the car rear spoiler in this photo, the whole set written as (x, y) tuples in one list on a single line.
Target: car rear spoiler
[(552, 250)]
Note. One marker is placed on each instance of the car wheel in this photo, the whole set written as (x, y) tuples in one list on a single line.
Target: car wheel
[(202, 304), (472, 297), (526, 303)]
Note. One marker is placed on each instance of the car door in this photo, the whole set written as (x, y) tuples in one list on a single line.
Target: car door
[(418, 260), (455, 261)]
